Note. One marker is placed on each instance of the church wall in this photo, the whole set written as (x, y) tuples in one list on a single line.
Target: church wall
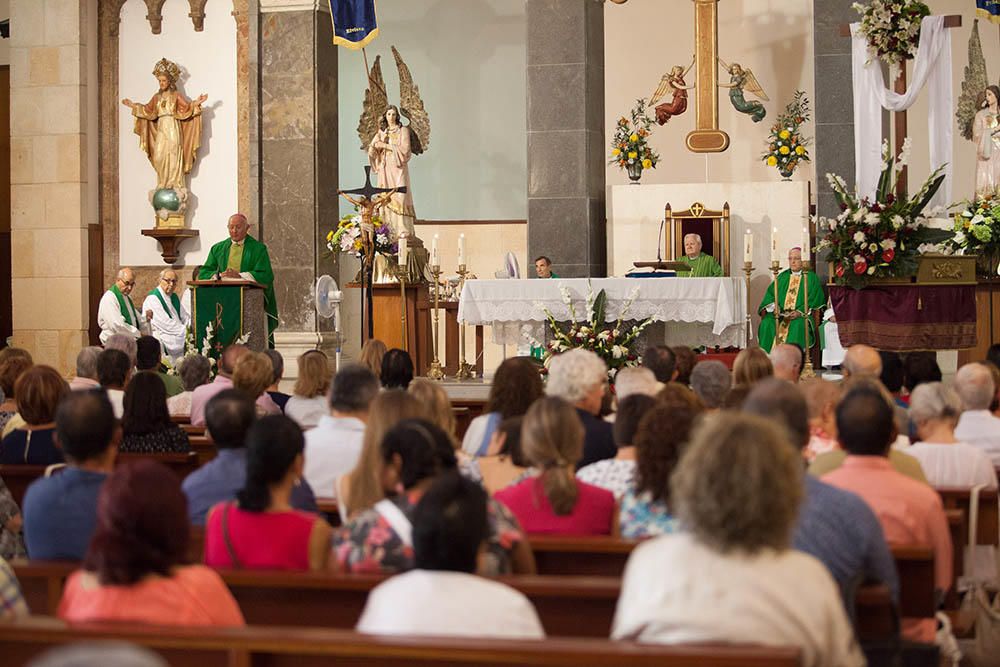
[(4, 43), (208, 63)]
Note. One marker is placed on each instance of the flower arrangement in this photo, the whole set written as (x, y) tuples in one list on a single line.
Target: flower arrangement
[(611, 342), (347, 237), (787, 147), (630, 148), (977, 231), (892, 28), (211, 347), (881, 238)]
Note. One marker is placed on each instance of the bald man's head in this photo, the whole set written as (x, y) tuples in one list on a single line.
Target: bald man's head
[(787, 362), (862, 360), (230, 356), (125, 280)]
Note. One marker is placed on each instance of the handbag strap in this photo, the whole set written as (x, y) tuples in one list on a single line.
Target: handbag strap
[(396, 520), (225, 537)]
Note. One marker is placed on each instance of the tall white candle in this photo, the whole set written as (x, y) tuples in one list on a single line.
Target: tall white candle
[(805, 245), (774, 246), (748, 247), (434, 251), (403, 250), (461, 249)]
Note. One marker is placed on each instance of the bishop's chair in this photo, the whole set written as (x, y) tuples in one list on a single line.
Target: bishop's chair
[(711, 226)]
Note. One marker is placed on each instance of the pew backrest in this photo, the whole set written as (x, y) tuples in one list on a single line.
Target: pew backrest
[(18, 478)]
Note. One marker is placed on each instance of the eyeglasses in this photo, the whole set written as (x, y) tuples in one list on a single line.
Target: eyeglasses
[(129, 283), (169, 280)]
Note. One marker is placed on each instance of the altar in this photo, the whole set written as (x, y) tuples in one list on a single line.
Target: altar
[(696, 311)]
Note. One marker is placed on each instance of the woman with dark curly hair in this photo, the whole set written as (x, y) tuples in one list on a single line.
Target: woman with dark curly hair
[(135, 569), (515, 387), (660, 440)]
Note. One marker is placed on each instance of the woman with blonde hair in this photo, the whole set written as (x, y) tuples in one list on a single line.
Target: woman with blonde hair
[(438, 410), (308, 402), (751, 364), (252, 375), (361, 488), (371, 355), (554, 501)]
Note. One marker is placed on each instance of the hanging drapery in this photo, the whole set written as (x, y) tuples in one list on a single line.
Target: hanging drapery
[(932, 68)]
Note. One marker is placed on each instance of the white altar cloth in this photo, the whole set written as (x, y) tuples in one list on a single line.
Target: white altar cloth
[(701, 311)]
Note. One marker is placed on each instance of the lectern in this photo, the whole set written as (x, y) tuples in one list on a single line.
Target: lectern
[(234, 308)]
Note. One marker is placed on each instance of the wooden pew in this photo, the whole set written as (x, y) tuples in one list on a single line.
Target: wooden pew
[(284, 647), (181, 463), (590, 556), (988, 527), (915, 566), (204, 447), (19, 477)]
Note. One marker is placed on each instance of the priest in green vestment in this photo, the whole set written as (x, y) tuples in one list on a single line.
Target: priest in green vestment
[(702, 265), (793, 297), (243, 256)]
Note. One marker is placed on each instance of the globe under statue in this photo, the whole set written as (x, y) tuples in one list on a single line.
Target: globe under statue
[(169, 129)]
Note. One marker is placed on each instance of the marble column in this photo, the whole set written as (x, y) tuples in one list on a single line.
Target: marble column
[(566, 185), (298, 172)]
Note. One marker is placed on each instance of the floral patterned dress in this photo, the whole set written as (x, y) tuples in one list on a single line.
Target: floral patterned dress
[(11, 543), (641, 516)]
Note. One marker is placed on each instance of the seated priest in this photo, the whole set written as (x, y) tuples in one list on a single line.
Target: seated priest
[(116, 313), (793, 312), (243, 256), (701, 265), (543, 267), (170, 318)]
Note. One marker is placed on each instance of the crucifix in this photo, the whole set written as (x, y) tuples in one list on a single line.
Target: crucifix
[(370, 199), (899, 86)]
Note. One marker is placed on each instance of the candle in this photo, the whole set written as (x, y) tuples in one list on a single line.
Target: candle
[(748, 247), (461, 249), (402, 250), (805, 244), (434, 251), (774, 246)]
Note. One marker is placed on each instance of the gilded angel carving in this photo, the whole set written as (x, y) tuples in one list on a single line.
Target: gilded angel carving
[(741, 79), (672, 82)]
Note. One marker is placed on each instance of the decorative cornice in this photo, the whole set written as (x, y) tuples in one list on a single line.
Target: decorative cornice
[(197, 14), (155, 15), (272, 6)]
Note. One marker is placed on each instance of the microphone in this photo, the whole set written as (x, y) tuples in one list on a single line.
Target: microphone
[(659, 240)]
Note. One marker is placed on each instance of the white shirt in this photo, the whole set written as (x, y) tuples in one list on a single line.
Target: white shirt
[(474, 434), (676, 590), (117, 398), (180, 404), (169, 327), (111, 320), (307, 411), (980, 429), (424, 602), (955, 464), (615, 475), (332, 449)]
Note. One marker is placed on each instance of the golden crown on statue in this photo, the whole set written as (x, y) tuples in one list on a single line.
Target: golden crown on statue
[(171, 70)]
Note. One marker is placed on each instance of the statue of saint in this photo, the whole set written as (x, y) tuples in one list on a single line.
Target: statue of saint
[(742, 79), (388, 153), (986, 136), (169, 129)]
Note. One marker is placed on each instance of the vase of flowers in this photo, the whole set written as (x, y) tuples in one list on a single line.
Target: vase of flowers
[(879, 240), (347, 237), (892, 29), (630, 149), (977, 232), (786, 147), (614, 343)]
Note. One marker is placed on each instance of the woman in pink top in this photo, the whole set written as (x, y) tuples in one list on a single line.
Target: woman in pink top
[(134, 567), (261, 530), (555, 502)]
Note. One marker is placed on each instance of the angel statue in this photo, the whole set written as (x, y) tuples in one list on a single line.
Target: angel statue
[(978, 117), (741, 79), (672, 81), (169, 129)]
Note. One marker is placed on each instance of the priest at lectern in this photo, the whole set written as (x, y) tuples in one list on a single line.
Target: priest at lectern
[(243, 257)]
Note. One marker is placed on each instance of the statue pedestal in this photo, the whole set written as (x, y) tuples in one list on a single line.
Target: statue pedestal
[(173, 221), (170, 240)]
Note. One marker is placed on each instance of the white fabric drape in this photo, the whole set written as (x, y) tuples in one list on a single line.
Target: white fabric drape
[(931, 67)]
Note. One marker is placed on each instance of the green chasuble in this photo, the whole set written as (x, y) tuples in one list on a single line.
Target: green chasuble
[(256, 262), (790, 331), (702, 266)]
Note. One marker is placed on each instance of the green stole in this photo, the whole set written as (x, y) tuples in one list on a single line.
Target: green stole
[(175, 301), (126, 311)]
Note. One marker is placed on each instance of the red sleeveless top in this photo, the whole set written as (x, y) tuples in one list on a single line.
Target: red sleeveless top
[(259, 540)]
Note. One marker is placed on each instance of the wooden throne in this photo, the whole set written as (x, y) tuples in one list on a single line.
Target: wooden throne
[(711, 226)]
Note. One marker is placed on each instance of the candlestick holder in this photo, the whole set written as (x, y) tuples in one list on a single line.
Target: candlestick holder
[(807, 368), (747, 270), (401, 276), (436, 372), (464, 371), (775, 270)]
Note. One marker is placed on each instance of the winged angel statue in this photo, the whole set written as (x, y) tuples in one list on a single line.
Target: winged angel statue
[(742, 79), (390, 144), (979, 117)]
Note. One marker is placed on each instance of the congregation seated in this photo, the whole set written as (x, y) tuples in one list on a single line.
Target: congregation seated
[(504, 463), (412, 454), (194, 371), (261, 530), (918, 368), (371, 355), (442, 595), (134, 570), (252, 375), (516, 385), (935, 409), (12, 604), (334, 446), (60, 511), (685, 359), (822, 398), (10, 370), (580, 378), (279, 397), (229, 415), (863, 361), (553, 501), (731, 575), (148, 353), (634, 380), (787, 360), (750, 366), (438, 411), (223, 380), (113, 372), (977, 426), (397, 369), (86, 369), (835, 526), (123, 343), (308, 402), (661, 436), (711, 382), (616, 474), (662, 361), (146, 424), (39, 390)]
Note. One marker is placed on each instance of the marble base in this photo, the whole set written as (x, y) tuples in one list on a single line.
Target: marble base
[(292, 344)]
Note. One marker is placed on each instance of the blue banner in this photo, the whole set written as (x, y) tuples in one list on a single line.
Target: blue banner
[(354, 22), (989, 9)]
